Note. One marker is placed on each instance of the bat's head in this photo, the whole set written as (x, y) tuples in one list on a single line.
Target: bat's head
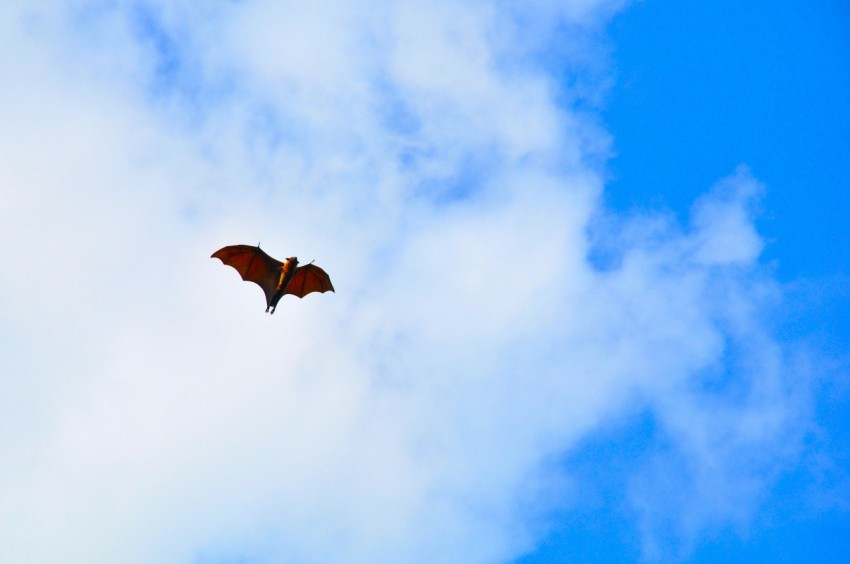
[(292, 262)]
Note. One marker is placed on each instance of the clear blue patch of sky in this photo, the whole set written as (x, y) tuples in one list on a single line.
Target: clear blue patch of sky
[(702, 87)]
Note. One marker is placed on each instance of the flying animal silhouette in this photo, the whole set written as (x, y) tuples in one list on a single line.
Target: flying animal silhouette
[(274, 277)]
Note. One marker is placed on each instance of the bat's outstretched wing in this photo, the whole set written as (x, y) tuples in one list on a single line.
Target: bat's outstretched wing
[(309, 278), (253, 265)]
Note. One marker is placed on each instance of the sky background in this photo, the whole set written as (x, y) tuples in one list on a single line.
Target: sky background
[(590, 259)]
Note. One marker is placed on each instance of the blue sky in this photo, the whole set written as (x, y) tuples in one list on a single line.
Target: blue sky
[(699, 90), (590, 260), (709, 87)]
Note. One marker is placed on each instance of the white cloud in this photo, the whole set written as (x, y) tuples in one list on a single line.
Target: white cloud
[(154, 414)]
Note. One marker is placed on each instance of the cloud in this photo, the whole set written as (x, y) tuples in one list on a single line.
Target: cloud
[(423, 158)]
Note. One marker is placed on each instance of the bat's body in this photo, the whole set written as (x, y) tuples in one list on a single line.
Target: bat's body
[(274, 277)]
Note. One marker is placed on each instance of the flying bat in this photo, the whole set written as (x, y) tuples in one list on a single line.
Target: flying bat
[(274, 277)]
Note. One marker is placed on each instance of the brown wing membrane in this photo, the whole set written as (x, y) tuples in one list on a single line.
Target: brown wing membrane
[(309, 278), (253, 265)]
